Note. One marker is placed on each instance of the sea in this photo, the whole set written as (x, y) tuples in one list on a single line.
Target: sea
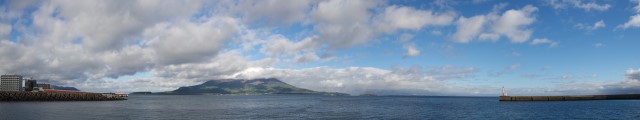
[(204, 107)]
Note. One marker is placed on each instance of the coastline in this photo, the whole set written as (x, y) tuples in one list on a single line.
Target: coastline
[(570, 98), (56, 96)]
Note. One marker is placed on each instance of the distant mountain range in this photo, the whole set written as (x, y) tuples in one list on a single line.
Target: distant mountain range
[(245, 87), (64, 88)]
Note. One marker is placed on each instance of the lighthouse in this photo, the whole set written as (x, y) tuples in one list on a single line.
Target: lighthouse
[(504, 92)]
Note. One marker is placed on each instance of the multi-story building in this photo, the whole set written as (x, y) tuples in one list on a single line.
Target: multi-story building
[(30, 84), (11, 83), (44, 86)]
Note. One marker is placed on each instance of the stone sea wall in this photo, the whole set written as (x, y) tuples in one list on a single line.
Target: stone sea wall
[(570, 98), (55, 96)]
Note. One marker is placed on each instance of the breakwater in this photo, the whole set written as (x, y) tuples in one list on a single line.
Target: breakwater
[(56, 96), (570, 98)]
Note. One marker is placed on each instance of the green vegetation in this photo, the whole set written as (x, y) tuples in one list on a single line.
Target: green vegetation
[(247, 87)]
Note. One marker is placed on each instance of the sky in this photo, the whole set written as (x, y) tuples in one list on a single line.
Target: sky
[(421, 47)]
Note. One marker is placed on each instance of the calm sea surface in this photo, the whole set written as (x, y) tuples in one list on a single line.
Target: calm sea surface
[(316, 107)]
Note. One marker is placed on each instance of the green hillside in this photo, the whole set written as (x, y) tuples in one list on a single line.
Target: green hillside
[(239, 86)]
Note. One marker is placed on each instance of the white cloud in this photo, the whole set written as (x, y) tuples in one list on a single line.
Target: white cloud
[(591, 6), (633, 75), (184, 42), (342, 11), (130, 60), (412, 51), (637, 6), (307, 57), (358, 80), (273, 12), (511, 24), (598, 45), (595, 26), (280, 47), (343, 23), (85, 42), (400, 17), (468, 28), (631, 85), (105, 25), (181, 43), (538, 41), (634, 21), (563, 4), (479, 1), (599, 24), (489, 36), (222, 66)]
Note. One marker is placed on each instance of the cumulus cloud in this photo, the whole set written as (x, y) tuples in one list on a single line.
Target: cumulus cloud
[(597, 25), (83, 43), (468, 28), (539, 41), (563, 4), (401, 17), (633, 75), (412, 51), (359, 80), (343, 23), (106, 25), (184, 42), (346, 23), (512, 24), (277, 46), (634, 21), (222, 66), (631, 85), (273, 12), (169, 44), (76, 42)]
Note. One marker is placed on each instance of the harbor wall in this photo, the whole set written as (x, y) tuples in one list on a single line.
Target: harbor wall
[(55, 96), (569, 98)]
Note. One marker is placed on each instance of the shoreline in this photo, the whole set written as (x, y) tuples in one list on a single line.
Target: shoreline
[(571, 98), (56, 96)]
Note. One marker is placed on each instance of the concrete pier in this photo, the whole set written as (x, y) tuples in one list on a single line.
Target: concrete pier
[(56, 96), (570, 98)]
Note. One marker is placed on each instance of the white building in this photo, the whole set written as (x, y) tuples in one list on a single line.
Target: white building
[(11, 83)]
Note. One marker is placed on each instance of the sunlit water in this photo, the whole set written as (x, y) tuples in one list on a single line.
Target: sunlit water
[(316, 107)]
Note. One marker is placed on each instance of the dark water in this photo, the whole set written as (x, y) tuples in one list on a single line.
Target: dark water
[(316, 107)]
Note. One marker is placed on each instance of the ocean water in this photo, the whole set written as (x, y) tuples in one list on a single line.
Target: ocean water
[(191, 107)]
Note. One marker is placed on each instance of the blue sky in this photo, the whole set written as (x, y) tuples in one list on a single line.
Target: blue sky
[(389, 47)]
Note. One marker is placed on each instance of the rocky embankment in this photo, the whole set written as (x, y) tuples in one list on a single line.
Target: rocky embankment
[(56, 96), (570, 98)]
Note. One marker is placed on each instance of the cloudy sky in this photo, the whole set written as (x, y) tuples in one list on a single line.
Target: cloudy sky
[(419, 47)]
